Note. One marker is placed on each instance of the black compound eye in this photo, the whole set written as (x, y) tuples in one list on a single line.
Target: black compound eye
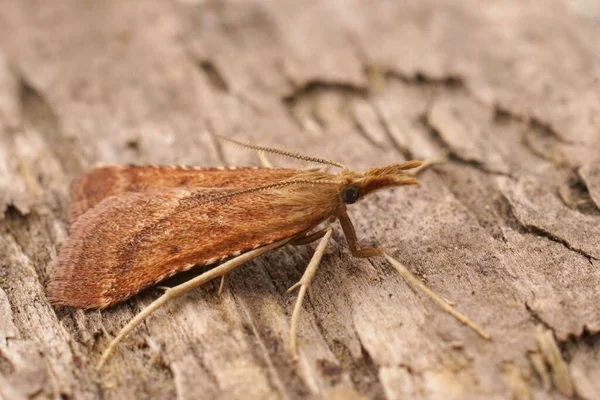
[(350, 194)]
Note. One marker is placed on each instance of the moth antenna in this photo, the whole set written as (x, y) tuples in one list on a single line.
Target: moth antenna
[(266, 187), (285, 153)]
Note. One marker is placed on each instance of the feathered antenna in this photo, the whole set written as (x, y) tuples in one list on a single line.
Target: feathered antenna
[(285, 153), (267, 187)]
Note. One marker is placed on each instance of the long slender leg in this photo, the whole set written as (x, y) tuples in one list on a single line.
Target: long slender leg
[(177, 291), (263, 160), (405, 273), (221, 285), (352, 240), (304, 284), (416, 283)]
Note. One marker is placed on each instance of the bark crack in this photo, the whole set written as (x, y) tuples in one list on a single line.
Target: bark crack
[(540, 232), (535, 316), (364, 372), (534, 123), (316, 86), (548, 235), (420, 78), (215, 78), (453, 156)]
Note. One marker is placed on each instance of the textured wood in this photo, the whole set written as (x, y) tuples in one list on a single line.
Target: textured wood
[(508, 92)]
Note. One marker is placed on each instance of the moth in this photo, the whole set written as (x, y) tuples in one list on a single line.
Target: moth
[(135, 226)]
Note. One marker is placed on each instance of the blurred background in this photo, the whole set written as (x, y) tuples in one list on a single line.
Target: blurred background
[(508, 228)]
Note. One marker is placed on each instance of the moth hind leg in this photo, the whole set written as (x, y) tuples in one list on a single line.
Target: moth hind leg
[(176, 291), (304, 284), (263, 160), (221, 285)]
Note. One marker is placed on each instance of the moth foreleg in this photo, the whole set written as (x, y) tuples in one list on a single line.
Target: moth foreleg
[(176, 291), (352, 240), (304, 284)]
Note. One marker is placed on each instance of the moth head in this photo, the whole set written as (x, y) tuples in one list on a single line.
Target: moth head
[(359, 185)]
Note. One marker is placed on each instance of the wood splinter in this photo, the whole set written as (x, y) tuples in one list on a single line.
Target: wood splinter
[(134, 226)]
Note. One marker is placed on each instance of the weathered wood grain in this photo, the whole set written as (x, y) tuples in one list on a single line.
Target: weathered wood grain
[(508, 229)]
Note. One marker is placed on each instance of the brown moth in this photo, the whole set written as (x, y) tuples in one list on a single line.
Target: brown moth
[(134, 226)]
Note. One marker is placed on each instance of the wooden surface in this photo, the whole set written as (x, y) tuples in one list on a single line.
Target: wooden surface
[(508, 229)]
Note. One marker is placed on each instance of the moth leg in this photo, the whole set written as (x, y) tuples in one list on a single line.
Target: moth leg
[(350, 234), (304, 283), (179, 290), (416, 283), (263, 160), (352, 240), (221, 285), (306, 239)]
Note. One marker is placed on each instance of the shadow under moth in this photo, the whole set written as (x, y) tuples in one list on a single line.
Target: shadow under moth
[(134, 226)]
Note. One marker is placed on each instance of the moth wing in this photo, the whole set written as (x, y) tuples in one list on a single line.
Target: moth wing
[(134, 240), (98, 184)]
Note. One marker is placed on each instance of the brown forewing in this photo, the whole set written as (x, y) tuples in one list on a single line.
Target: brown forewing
[(100, 183), (134, 240)]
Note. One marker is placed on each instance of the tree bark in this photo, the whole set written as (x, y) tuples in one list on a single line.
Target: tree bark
[(508, 228)]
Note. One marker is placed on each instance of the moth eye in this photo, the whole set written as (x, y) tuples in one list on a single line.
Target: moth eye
[(350, 194)]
